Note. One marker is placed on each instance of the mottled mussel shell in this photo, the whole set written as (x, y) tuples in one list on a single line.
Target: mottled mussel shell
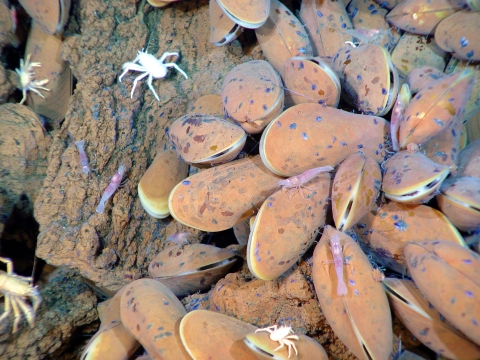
[(421, 17), (311, 135), (383, 233), (307, 347), (310, 80), (368, 77), (420, 77), (186, 269), (327, 23), (412, 178), (223, 30), (51, 15), (206, 140), (449, 276), (460, 34), (250, 14), (285, 227), (218, 198), (426, 323), (252, 94), (434, 108), (152, 313), (282, 36), (166, 171), (355, 188), (361, 319), (459, 200), (211, 335)]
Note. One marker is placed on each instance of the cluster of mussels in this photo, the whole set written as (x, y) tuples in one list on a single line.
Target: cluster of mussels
[(382, 58)]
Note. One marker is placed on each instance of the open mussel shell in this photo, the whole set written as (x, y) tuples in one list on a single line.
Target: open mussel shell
[(166, 171), (421, 17), (414, 51), (361, 319), (51, 16), (212, 335), (310, 80), (112, 340), (412, 178), (308, 348), (218, 198), (434, 108), (206, 140), (186, 269), (311, 135), (460, 34), (285, 227), (469, 160), (45, 49), (250, 14), (328, 23), (459, 200), (449, 276), (252, 94), (426, 323), (368, 77), (223, 30), (152, 313), (355, 188), (282, 36), (383, 233)]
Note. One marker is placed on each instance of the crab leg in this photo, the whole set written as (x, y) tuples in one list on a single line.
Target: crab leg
[(27, 310), (150, 78), (178, 68), (7, 308), (17, 313), (136, 81)]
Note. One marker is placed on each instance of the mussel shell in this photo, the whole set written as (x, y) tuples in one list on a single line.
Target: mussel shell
[(212, 335), (45, 49), (252, 94), (206, 140), (285, 227), (327, 22), (420, 17), (152, 313), (311, 135), (218, 198), (384, 233), (355, 188), (250, 14), (426, 323), (307, 347), (420, 77), (51, 16), (469, 160), (434, 108), (361, 319), (449, 276), (368, 78), (166, 171), (282, 36), (459, 200), (310, 80), (242, 231), (186, 269), (412, 178), (460, 34), (223, 30)]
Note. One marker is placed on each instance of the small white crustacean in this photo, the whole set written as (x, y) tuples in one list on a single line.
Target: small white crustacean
[(16, 290), (151, 66), (27, 83), (282, 335)]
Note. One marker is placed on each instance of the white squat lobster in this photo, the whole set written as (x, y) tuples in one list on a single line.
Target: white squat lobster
[(16, 289), (27, 83), (151, 66), (282, 335)]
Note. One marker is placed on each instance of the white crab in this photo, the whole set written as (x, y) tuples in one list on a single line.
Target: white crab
[(27, 83), (16, 289), (282, 334), (151, 66)]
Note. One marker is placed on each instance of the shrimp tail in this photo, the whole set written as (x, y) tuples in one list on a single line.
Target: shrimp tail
[(110, 189), (341, 288)]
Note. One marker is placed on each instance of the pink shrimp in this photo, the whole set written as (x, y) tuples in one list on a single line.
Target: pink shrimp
[(403, 99), (180, 238), (298, 181), (83, 157), (337, 253), (111, 188)]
